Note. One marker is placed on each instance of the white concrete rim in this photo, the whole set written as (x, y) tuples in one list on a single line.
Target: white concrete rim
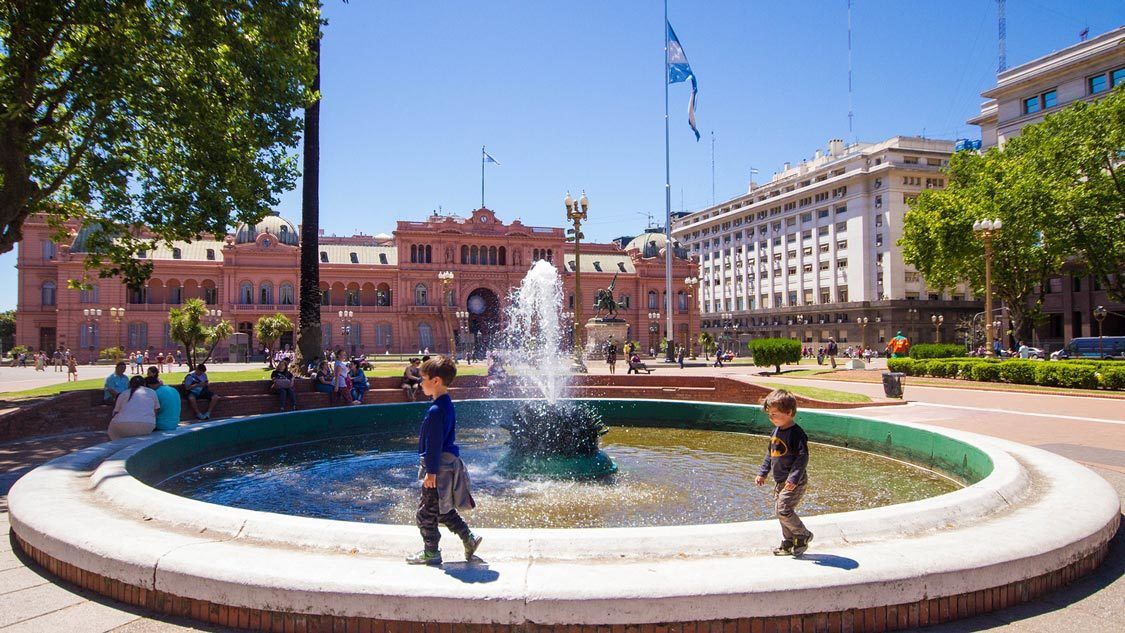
[(84, 509)]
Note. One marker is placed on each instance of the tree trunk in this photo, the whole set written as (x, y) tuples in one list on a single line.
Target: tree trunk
[(309, 334)]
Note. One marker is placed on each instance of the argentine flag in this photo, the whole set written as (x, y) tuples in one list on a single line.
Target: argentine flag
[(485, 158), (680, 70)]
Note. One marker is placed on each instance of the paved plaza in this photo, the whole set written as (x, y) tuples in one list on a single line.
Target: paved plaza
[(1089, 430)]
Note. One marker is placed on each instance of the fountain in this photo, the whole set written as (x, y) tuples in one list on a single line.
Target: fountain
[(550, 436)]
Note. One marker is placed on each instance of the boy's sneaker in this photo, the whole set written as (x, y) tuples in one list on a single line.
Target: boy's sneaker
[(785, 549), (425, 558), (471, 545), (801, 544)]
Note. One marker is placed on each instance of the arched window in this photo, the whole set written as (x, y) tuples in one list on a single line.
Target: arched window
[(383, 332), (626, 301), (503, 256), (326, 337), (421, 295), (473, 255), (450, 298), (285, 293), (425, 336), (383, 295), (246, 293), (484, 255), (429, 254), (491, 255), (681, 301), (355, 334), (464, 254), (652, 300), (351, 297), (325, 296), (265, 293), (535, 254), (89, 296), (550, 255), (413, 254), (47, 293)]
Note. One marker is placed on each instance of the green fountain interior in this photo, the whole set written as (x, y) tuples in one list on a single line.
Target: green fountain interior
[(636, 429)]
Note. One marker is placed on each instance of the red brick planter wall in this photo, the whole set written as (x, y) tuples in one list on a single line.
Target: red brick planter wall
[(876, 619)]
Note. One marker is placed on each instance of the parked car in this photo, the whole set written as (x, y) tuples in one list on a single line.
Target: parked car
[(1036, 353), (1097, 347)]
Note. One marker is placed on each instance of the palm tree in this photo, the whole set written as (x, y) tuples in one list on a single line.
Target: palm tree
[(309, 337)]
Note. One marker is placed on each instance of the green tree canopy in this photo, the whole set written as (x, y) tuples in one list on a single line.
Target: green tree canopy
[(152, 121), (1078, 157), (187, 328), (706, 343)]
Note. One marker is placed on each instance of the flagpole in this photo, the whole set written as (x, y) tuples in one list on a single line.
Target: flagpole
[(669, 353), (482, 176)]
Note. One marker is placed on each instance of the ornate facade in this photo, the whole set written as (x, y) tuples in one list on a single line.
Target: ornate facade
[(389, 284)]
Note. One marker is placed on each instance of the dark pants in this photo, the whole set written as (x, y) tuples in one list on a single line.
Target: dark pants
[(358, 391), (287, 394), (428, 518)]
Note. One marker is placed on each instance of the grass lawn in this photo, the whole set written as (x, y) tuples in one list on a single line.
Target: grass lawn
[(824, 395), (176, 377), (805, 372)]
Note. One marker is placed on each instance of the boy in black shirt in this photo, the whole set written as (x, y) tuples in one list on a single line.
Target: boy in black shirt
[(787, 458)]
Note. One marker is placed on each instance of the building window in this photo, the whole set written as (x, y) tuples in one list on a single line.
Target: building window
[(1040, 101), (841, 263), (383, 295), (421, 295), (841, 227), (351, 297), (681, 301), (429, 254), (425, 336), (285, 294), (652, 304), (879, 220), (878, 239), (474, 255), (48, 249), (910, 160), (1117, 77), (823, 213), (324, 257), (326, 297), (354, 257), (502, 256), (47, 293), (383, 259), (89, 296), (879, 202), (138, 335), (211, 254), (88, 336), (1050, 99), (842, 244), (138, 295), (246, 293), (210, 296), (175, 295), (843, 294), (265, 294), (383, 333), (177, 253), (464, 254)]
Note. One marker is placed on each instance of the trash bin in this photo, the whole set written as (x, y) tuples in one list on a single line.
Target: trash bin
[(892, 384)]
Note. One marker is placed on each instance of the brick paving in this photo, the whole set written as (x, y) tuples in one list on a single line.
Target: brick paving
[(30, 600)]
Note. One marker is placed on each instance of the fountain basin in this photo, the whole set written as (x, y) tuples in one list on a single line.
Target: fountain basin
[(90, 518)]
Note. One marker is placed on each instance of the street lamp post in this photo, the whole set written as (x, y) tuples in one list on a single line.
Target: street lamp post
[(91, 315), (576, 213), (988, 230), (691, 283), (462, 317), (728, 324), (118, 315), (937, 320), (863, 321), (1099, 315), (653, 329), (346, 317), (446, 279)]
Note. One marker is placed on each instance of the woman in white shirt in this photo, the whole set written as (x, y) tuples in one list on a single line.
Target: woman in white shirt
[(134, 413)]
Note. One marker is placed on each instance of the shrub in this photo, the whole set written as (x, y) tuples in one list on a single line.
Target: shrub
[(937, 350), (17, 350), (1019, 372), (1079, 377), (904, 365), (115, 354), (775, 352), (1113, 377), (985, 372)]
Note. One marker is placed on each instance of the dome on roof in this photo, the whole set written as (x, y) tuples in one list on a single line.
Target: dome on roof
[(273, 224), (382, 236), (648, 243)]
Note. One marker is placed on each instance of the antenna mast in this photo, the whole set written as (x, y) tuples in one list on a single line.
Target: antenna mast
[(850, 111), (712, 170), (1002, 27)]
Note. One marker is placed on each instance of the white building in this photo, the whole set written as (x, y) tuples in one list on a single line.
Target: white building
[(814, 249)]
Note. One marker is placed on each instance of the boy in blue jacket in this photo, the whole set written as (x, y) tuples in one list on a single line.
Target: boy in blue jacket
[(445, 482)]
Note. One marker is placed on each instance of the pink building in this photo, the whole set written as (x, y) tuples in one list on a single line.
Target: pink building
[(389, 284)]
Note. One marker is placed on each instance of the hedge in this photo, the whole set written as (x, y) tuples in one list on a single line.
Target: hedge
[(775, 352), (937, 350), (1108, 375)]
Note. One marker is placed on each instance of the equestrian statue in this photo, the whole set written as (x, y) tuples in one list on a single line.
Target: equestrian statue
[(605, 303)]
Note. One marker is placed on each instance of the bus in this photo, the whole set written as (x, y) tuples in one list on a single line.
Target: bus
[(1097, 347)]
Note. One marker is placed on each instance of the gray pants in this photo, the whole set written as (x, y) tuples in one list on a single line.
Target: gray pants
[(786, 508)]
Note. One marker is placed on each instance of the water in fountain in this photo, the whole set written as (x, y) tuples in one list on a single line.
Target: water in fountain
[(551, 436)]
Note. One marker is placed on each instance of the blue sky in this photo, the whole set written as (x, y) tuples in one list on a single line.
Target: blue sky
[(570, 96)]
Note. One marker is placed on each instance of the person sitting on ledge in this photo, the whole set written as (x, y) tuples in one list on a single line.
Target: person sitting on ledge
[(359, 381), (135, 411), (323, 380), (636, 365), (412, 379), (168, 415), (197, 388), (115, 384), (281, 380)]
